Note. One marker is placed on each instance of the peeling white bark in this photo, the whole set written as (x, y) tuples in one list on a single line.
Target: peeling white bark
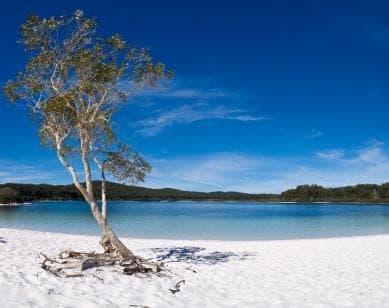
[(87, 193)]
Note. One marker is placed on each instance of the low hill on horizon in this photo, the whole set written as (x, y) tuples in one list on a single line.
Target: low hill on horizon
[(15, 192), (369, 193)]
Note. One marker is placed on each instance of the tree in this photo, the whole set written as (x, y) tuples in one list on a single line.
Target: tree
[(73, 83), (9, 195)]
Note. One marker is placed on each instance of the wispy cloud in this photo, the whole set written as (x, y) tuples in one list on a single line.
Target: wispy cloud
[(216, 171), (233, 171), (257, 174), (192, 88), (191, 93), (17, 171), (374, 153), (314, 133), (330, 154), (186, 114)]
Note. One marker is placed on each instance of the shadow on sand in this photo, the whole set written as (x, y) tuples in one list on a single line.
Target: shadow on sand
[(2, 240), (195, 255)]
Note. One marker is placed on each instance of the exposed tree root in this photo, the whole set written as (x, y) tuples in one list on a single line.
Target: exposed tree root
[(73, 263), (177, 287)]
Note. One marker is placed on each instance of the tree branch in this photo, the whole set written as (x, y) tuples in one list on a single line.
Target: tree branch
[(52, 80), (103, 190), (85, 143), (72, 171)]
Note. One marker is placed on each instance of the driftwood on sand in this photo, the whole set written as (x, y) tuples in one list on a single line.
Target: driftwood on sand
[(73, 263), (177, 287)]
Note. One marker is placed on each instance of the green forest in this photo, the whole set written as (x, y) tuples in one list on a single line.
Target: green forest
[(39, 192), (369, 193), (359, 193)]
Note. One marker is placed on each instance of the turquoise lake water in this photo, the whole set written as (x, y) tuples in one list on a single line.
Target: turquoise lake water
[(205, 220)]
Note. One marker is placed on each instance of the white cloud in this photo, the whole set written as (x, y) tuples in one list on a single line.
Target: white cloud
[(330, 154), (314, 133), (259, 174), (238, 171), (192, 113), (216, 171), (371, 155), (195, 93), (179, 90), (16, 172)]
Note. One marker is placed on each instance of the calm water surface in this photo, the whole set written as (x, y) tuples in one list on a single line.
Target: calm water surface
[(205, 220)]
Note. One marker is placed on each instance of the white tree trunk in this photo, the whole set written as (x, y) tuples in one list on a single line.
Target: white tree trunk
[(109, 241), (103, 197)]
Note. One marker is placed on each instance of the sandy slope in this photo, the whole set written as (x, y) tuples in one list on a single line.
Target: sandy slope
[(339, 272)]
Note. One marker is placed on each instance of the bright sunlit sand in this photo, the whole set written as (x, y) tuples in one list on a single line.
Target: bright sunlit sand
[(336, 272), (194, 154)]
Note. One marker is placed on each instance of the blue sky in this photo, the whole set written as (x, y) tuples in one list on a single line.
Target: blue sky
[(268, 94)]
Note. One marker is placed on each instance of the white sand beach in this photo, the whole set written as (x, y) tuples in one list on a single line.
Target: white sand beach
[(336, 272)]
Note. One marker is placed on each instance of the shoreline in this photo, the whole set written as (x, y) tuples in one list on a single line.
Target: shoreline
[(210, 200), (341, 272), (139, 238), (14, 204)]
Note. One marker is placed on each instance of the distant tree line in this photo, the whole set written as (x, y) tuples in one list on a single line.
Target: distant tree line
[(358, 193), (370, 193), (12, 192)]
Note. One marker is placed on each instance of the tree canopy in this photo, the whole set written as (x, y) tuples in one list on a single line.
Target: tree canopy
[(74, 82)]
